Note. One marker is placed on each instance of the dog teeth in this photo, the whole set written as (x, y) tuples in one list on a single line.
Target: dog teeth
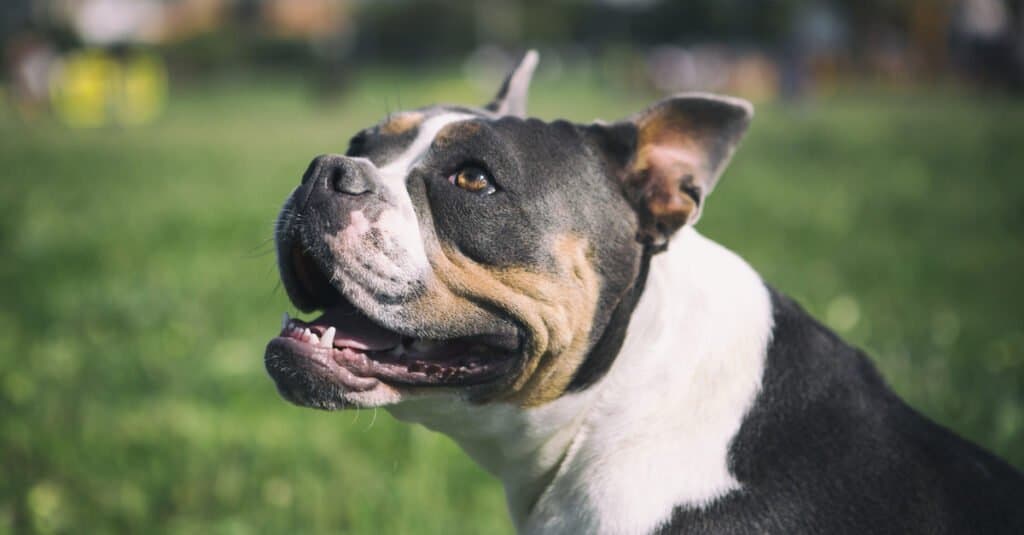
[(310, 337), (294, 329), (327, 340)]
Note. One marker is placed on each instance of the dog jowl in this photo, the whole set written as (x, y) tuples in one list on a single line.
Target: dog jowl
[(537, 291)]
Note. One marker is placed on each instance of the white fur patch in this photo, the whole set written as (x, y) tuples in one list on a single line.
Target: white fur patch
[(395, 171), (653, 434), (399, 258), (401, 224)]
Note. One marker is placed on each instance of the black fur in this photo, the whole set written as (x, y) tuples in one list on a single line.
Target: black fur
[(828, 448)]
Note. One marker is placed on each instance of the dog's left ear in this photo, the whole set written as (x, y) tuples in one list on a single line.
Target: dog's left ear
[(511, 98), (668, 158)]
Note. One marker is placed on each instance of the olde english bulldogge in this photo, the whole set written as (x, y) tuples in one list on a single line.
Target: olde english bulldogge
[(536, 291)]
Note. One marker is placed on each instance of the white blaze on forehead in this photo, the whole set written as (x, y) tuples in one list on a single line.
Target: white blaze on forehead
[(398, 169), (400, 221)]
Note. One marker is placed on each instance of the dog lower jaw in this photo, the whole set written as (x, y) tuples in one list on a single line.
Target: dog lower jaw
[(308, 376), (316, 366)]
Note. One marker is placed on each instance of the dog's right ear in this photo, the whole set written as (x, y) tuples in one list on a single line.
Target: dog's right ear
[(668, 157), (511, 97)]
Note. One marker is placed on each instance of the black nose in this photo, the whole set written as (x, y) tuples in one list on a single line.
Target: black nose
[(339, 174)]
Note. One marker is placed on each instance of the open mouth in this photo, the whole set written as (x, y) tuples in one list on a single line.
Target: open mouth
[(348, 349)]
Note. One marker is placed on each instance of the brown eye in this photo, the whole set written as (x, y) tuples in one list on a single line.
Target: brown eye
[(473, 179)]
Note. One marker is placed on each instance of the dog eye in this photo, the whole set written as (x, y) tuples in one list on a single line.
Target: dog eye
[(473, 179)]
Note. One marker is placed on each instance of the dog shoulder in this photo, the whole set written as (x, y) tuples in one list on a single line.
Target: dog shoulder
[(829, 448)]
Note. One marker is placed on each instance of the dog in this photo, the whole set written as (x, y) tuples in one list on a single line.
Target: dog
[(537, 292)]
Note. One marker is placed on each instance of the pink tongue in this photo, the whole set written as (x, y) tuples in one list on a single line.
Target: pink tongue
[(356, 331)]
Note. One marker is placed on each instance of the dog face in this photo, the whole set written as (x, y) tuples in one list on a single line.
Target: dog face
[(476, 253)]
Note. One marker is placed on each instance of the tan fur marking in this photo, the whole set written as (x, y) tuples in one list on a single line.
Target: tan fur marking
[(666, 156), (555, 308), (402, 123), (456, 131)]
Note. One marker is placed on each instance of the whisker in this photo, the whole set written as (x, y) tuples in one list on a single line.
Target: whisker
[(262, 249), (373, 420)]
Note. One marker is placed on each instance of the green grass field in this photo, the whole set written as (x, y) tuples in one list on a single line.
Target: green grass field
[(139, 290)]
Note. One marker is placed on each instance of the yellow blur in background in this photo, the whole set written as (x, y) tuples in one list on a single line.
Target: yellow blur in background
[(93, 88)]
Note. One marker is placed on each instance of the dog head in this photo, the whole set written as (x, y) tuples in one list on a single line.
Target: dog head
[(477, 253)]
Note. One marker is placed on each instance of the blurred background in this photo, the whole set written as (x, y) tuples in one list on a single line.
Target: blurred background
[(146, 145)]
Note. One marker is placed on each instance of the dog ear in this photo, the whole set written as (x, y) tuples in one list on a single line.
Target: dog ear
[(511, 98), (669, 157)]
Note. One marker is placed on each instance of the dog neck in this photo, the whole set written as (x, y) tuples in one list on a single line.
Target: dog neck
[(652, 434)]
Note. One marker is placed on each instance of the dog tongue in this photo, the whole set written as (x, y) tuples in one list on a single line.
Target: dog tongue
[(356, 331)]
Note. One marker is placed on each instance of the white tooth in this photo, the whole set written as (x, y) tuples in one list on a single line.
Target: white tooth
[(285, 320), (314, 339), (308, 336), (327, 340)]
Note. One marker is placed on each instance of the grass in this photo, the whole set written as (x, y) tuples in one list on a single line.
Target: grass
[(139, 290)]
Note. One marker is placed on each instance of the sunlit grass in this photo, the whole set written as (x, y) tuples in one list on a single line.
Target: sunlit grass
[(139, 291)]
